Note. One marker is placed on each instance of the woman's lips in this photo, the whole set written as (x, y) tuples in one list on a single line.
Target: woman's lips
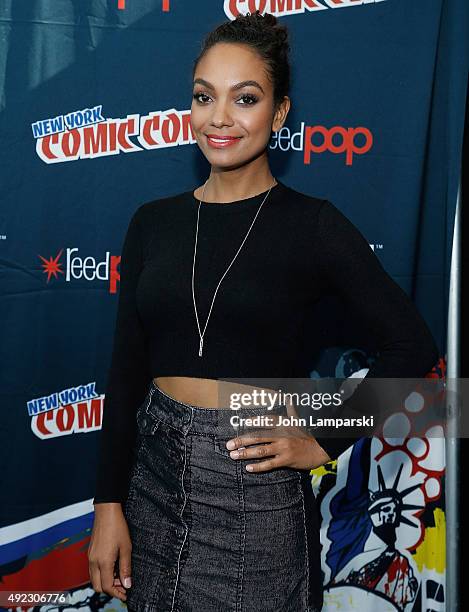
[(220, 143)]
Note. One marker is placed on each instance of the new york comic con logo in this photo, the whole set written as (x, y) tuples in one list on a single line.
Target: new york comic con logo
[(83, 268), (280, 8), (85, 134), (78, 409)]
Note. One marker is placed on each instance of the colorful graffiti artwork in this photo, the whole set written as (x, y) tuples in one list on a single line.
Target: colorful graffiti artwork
[(383, 525)]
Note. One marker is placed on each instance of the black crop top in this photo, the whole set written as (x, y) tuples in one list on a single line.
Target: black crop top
[(299, 249)]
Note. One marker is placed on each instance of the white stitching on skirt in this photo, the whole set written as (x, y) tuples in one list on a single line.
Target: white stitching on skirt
[(182, 510), (240, 481)]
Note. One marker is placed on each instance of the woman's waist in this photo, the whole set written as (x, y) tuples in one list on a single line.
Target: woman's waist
[(241, 410), (212, 393)]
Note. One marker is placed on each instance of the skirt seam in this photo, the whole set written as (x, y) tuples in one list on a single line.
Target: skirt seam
[(186, 528), (239, 594)]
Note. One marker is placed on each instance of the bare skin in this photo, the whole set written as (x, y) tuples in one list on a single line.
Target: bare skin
[(220, 106)]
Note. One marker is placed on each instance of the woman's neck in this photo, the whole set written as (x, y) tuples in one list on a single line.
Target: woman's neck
[(221, 188)]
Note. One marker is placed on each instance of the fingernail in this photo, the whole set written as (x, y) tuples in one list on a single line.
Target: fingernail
[(230, 444), (249, 468), (234, 454), (127, 583)]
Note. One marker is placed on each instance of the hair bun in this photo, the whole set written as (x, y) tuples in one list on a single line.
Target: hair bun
[(269, 19), (269, 23)]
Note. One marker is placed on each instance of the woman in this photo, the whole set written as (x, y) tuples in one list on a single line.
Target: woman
[(181, 521)]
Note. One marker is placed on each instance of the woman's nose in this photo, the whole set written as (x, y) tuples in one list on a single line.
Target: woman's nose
[(221, 115)]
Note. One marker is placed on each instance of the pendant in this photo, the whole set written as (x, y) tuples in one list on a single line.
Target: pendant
[(200, 347)]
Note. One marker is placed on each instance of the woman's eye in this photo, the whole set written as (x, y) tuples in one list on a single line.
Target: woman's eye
[(249, 99), (198, 94)]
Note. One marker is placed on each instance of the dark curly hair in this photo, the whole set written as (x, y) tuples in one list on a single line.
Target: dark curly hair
[(264, 34)]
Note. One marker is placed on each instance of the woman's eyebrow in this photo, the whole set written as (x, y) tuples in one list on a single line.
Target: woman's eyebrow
[(233, 87)]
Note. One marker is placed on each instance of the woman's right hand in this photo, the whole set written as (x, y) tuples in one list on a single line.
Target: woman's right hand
[(110, 542)]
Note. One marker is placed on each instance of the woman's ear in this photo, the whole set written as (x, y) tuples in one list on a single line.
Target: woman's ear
[(281, 113)]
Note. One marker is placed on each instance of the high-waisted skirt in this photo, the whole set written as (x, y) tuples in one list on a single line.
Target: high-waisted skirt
[(206, 534)]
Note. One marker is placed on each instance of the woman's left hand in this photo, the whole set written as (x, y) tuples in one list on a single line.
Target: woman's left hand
[(299, 451)]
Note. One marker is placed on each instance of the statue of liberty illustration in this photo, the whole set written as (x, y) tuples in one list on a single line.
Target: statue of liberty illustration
[(362, 533)]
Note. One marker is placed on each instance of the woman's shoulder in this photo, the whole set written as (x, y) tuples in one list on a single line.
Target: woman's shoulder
[(331, 225), (301, 198), (309, 206), (325, 211)]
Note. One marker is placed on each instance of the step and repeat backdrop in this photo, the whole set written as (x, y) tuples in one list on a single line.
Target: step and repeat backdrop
[(94, 121)]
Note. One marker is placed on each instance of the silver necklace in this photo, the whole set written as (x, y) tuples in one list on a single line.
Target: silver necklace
[(201, 335)]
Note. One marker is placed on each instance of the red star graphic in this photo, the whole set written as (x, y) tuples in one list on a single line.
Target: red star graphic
[(52, 266)]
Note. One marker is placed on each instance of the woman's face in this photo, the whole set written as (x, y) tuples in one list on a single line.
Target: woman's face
[(224, 106)]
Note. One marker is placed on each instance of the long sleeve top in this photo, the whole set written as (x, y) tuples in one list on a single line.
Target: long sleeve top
[(300, 249)]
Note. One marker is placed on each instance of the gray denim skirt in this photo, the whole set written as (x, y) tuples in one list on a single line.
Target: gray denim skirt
[(207, 535)]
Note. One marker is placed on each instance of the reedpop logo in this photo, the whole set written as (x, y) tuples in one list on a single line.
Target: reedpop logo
[(349, 141), (86, 269)]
